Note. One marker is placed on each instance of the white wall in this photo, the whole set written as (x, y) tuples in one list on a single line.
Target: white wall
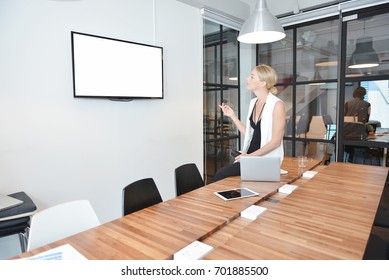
[(57, 148)]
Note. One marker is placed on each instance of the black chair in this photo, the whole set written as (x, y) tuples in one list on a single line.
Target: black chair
[(382, 215), (16, 220), (377, 248), (16, 226), (140, 194), (188, 178), (302, 125)]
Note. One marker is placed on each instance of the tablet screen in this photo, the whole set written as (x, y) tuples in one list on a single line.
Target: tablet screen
[(235, 193)]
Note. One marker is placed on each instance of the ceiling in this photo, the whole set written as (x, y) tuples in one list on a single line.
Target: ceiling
[(289, 7), (241, 9), (313, 39)]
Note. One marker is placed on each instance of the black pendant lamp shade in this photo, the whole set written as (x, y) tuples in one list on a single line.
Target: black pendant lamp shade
[(364, 55)]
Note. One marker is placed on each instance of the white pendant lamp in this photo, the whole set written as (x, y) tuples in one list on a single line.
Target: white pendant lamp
[(261, 27)]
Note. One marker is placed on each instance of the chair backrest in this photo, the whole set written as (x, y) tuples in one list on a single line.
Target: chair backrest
[(188, 178), (302, 124), (351, 119), (140, 194), (354, 131), (317, 128), (60, 221)]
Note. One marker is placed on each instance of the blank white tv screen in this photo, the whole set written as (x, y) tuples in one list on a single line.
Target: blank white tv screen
[(112, 68)]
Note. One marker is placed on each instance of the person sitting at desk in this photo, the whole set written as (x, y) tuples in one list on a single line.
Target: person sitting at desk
[(264, 129), (356, 107)]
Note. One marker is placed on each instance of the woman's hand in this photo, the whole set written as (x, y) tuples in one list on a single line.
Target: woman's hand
[(227, 111), (238, 157)]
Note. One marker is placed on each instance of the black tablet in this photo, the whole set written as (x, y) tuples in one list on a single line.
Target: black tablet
[(235, 193)]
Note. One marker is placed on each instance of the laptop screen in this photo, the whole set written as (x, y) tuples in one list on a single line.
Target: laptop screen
[(255, 168)]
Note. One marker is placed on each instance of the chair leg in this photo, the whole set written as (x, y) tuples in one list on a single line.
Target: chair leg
[(23, 239), (346, 157)]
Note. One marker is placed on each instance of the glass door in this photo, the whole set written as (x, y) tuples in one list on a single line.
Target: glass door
[(221, 85)]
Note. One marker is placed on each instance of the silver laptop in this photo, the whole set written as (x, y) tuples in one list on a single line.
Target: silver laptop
[(254, 168), (8, 202)]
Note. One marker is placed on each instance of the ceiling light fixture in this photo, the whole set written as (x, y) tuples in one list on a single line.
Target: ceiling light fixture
[(331, 59), (233, 73), (364, 55), (317, 80), (331, 53), (354, 72), (261, 27)]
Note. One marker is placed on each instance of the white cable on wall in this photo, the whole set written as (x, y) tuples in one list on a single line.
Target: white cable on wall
[(154, 22)]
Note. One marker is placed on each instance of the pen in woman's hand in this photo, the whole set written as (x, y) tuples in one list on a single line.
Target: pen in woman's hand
[(226, 110)]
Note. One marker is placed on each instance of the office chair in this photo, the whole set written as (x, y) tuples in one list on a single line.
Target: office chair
[(16, 220), (16, 226), (140, 194), (188, 178), (382, 215), (377, 248), (60, 221), (302, 126)]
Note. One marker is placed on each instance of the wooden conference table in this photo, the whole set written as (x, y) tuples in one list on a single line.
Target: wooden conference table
[(328, 217)]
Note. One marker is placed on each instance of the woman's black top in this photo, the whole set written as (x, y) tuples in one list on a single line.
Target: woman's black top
[(255, 143)]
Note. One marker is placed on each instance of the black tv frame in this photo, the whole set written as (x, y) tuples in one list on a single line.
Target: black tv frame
[(130, 95)]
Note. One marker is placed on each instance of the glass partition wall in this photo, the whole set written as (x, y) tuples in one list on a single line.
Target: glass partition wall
[(306, 64), (366, 63), (221, 84), (317, 74)]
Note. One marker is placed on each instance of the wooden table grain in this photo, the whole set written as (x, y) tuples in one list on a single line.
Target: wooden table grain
[(161, 230), (328, 217)]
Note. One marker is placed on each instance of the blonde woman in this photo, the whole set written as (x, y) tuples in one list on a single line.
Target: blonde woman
[(265, 125)]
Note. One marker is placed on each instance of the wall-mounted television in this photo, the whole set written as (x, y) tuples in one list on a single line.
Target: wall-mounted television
[(115, 69)]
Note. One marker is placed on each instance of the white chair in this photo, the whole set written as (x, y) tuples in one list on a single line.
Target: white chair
[(61, 221), (317, 128)]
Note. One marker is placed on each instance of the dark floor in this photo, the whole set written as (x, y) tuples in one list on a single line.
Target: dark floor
[(378, 245)]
